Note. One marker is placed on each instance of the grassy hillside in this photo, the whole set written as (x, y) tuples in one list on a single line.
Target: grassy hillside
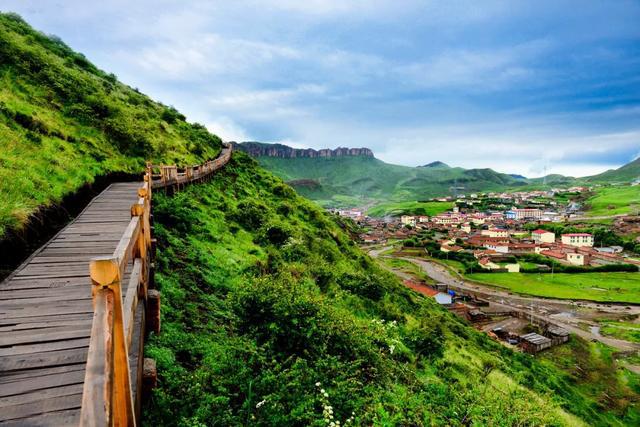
[(63, 122), (354, 180), (614, 200), (272, 316), (410, 208), (626, 173)]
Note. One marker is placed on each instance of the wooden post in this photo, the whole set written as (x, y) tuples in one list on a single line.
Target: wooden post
[(149, 377), (98, 386), (105, 276), (138, 209)]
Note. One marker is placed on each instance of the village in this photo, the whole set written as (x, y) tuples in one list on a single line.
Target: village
[(498, 233), (497, 237)]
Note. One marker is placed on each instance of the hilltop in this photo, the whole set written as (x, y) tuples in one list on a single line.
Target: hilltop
[(626, 173), (259, 149)]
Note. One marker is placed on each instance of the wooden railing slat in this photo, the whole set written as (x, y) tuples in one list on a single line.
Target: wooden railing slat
[(125, 246), (98, 381), (131, 299)]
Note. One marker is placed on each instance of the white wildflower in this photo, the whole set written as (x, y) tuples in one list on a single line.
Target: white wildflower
[(262, 402)]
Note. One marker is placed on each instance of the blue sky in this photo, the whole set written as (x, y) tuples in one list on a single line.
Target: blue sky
[(518, 86)]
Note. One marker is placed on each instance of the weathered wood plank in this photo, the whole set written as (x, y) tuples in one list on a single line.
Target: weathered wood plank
[(41, 347), (48, 358), (51, 404)]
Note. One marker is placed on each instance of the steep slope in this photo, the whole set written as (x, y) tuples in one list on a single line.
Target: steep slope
[(268, 305), (359, 178), (63, 122)]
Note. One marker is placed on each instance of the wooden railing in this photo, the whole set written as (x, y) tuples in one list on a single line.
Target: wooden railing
[(107, 398), (172, 176)]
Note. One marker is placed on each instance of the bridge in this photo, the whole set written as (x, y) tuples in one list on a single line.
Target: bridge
[(74, 315)]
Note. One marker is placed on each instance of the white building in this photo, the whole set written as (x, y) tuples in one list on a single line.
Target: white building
[(543, 236), (495, 232), (521, 214), (576, 259), (408, 220), (577, 239)]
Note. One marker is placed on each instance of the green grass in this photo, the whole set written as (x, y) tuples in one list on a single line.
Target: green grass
[(624, 330), (593, 368), (610, 287), (63, 122), (264, 295), (410, 208), (614, 200)]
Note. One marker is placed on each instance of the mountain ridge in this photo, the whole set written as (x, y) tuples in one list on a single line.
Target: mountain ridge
[(257, 149)]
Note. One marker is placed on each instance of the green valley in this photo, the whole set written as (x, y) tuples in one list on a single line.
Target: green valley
[(356, 180)]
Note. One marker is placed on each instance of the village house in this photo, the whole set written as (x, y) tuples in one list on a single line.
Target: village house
[(487, 264), (577, 239), (495, 232), (408, 220), (445, 247), (543, 236), (577, 259), (524, 214)]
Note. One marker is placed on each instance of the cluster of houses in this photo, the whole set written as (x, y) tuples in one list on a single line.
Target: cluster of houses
[(497, 237), (498, 244)]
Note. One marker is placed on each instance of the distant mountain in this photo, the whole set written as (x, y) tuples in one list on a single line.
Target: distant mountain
[(436, 164), (258, 149), (626, 173), (348, 176)]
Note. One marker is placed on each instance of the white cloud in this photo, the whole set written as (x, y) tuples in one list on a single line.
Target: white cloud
[(228, 130)]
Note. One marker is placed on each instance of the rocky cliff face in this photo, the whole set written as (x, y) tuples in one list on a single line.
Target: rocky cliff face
[(258, 149)]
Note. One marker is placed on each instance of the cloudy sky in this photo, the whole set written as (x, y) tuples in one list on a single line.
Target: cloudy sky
[(519, 86)]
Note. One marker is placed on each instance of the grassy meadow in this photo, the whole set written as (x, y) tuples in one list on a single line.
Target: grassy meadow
[(606, 287), (410, 208)]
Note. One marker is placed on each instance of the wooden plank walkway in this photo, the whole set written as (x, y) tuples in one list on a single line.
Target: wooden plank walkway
[(46, 315)]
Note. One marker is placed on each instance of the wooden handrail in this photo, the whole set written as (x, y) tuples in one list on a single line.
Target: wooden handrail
[(107, 398), (169, 176)]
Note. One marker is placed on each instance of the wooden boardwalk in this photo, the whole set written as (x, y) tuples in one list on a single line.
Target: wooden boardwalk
[(46, 315), (73, 316)]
